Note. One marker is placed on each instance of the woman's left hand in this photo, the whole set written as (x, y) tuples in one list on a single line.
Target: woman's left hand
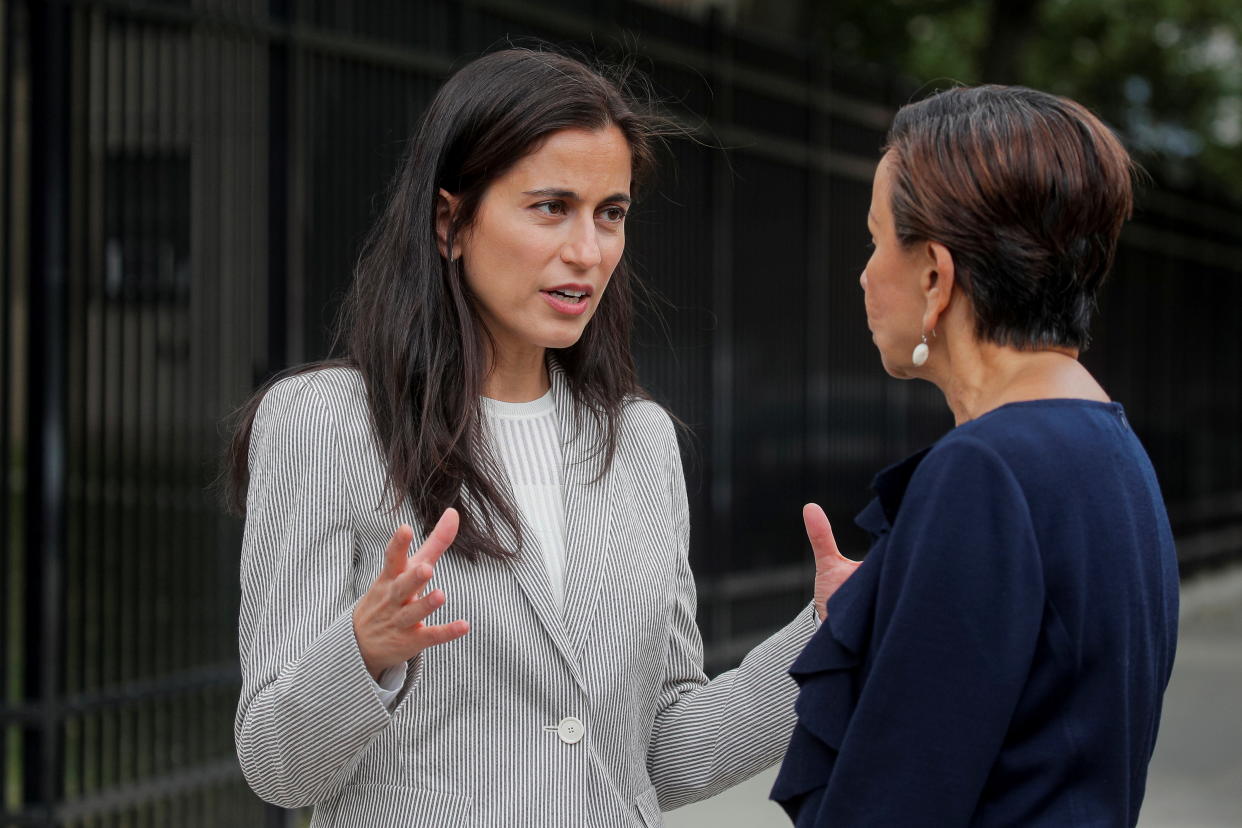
[(831, 567)]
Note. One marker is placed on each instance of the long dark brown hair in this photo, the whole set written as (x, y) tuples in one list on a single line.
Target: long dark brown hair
[(409, 324)]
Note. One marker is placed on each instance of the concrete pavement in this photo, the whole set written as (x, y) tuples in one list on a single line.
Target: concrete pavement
[(1195, 779)]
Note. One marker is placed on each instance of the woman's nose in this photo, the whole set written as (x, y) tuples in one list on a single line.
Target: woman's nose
[(582, 249)]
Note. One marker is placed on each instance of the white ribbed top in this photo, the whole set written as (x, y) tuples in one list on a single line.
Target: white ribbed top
[(527, 443)]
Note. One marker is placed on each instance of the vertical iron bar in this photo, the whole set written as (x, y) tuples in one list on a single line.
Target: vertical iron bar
[(145, 516), (73, 590), (721, 471), (121, 471), (277, 189), (8, 200), (95, 336), (204, 265), (815, 471), (8, 262), (278, 238), (45, 467)]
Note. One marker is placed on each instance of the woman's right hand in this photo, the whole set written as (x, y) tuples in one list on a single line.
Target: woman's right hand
[(388, 619)]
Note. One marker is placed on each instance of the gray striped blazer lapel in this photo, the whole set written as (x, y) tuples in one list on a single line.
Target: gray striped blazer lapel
[(531, 575), (588, 512)]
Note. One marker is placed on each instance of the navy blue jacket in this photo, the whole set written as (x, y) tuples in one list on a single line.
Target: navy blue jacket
[(1001, 655)]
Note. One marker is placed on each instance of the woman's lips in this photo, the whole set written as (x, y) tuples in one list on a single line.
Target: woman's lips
[(565, 305)]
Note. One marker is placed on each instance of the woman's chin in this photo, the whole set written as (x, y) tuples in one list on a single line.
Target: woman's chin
[(894, 368), (560, 339)]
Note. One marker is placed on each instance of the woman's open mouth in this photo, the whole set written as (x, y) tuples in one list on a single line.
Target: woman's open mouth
[(569, 301)]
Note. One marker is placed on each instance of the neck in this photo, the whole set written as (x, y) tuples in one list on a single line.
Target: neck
[(517, 377), (976, 378)]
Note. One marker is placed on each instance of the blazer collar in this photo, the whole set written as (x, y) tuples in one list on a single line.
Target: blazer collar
[(588, 513)]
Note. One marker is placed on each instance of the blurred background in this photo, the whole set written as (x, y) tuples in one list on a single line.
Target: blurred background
[(184, 185)]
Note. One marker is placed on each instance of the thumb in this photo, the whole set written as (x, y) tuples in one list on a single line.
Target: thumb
[(832, 569), (819, 532)]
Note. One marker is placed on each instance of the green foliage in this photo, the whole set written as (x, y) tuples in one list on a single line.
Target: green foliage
[(1166, 73)]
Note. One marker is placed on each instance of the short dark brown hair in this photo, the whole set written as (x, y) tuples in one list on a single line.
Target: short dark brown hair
[(1028, 191)]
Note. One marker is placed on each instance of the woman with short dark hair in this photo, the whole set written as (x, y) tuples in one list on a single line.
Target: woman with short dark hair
[(1001, 655)]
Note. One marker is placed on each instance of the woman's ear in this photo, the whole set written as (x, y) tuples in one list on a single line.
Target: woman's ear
[(939, 279), (446, 206)]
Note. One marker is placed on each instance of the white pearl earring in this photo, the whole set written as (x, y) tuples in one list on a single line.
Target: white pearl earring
[(921, 352)]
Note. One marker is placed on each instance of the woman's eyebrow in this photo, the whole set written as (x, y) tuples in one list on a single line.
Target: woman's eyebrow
[(570, 195)]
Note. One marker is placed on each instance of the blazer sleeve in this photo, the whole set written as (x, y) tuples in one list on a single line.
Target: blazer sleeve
[(711, 735), (308, 706), (958, 614)]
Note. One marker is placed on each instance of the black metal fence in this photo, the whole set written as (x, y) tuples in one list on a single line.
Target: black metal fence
[(184, 187)]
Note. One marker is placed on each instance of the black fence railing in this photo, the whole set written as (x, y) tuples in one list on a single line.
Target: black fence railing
[(184, 188)]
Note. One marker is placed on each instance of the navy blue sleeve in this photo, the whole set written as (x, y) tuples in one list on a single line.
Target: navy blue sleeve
[(958, 610)]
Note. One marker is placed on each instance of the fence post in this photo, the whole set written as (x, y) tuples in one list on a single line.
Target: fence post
[(721, 468), (278, 190), (278, 149), (45, 465)]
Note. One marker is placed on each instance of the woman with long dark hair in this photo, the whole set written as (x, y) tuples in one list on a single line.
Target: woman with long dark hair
[(486, 398)]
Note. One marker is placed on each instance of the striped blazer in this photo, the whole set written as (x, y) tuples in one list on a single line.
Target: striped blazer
[(598, 715)]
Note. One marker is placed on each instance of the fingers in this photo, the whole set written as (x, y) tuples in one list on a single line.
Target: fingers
[(397, 552), (417, 610), (421, 565), (430, 636), (404, 579), (413, 614), (408, 585), (441, 538), (389, 619)]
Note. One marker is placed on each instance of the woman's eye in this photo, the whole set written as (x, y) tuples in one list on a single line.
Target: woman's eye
[(613, 214), (552, 208)]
